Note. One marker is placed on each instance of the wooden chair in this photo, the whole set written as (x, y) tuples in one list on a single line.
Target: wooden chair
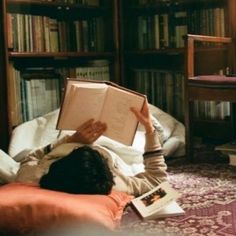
[(205, 87)]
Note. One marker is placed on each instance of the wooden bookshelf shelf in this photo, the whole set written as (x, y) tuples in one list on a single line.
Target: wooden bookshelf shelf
[(169, 51), (62, 11), (176, 51), (62, 55)]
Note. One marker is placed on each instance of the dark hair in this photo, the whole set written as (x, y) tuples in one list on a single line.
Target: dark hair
[(83, 171)]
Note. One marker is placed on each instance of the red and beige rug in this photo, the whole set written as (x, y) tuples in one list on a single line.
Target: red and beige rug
[(208, 196)]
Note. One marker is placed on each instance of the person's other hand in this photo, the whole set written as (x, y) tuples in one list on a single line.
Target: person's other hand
[(88, 132), (144, 117)]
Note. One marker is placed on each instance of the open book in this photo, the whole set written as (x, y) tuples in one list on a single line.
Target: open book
[(104, 101), (158, 203)]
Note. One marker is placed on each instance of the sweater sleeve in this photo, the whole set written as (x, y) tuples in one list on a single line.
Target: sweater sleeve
[(155, 168), (37, 162), (39, 153)]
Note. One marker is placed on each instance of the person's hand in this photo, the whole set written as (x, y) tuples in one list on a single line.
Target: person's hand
[(144, 117), (88, 132)]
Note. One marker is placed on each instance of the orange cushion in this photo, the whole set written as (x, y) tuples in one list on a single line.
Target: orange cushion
[(26, 207)]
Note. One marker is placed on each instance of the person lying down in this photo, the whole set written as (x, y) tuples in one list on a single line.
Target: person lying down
[(76, 164)]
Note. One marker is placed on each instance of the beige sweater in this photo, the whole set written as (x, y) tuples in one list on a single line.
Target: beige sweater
[(35, 165)]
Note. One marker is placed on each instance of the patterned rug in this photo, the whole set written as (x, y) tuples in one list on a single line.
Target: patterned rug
[(208, 196)]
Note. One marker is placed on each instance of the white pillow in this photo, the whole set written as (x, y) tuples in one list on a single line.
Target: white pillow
[(41, 131), (173, 132), (34, 133), (167, 121), (8, 168)]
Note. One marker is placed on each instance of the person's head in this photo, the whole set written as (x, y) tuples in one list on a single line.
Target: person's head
[(83, 171)]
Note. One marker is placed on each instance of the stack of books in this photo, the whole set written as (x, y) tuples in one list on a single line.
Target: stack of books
[(230, 150)]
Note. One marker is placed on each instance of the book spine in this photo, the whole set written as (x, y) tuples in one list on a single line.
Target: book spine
[(13, 96), (85, 35), (46, 33), (9, 20), (156, 32), (53, 29), (78, 35)]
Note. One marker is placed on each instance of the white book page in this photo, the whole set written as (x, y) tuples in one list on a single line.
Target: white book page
[(121, 122), (171, 209), (155, 200), (85, 101)]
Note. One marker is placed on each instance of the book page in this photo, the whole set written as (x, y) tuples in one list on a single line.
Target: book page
[(169, 210), (83, 102), (155, 200), (121, 122)]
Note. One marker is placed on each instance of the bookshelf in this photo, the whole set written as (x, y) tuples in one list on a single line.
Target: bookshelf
[(140, 46), (153, 55), (3, 88), (45, 42)]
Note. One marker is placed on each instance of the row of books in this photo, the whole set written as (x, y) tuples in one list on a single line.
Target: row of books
[(167, 30), (97, 70), (212, 110), (94, 69), (163, 89), (35, 91), (39, 96), (32, 97), (33, 33)]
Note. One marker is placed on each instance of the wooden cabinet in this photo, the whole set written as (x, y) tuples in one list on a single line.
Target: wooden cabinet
[(3, 87)]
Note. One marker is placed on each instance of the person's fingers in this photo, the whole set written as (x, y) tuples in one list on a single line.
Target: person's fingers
[(96, 135), (137, 113), (89, 131), (98, 130), (99, 126), (145, 109), (86, 125)]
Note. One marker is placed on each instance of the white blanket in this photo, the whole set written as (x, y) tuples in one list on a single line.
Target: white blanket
[(42, 131)]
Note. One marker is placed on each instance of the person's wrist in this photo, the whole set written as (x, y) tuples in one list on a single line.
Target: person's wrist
[(149, 129)]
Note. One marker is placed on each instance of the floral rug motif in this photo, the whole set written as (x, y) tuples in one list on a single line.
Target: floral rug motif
[(208, 196)]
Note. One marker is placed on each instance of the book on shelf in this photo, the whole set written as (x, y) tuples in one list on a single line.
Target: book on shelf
[(160, 202), (230, 150), (14, 101), (28, 90), (163, 88), (104, 101), (95, 70)]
